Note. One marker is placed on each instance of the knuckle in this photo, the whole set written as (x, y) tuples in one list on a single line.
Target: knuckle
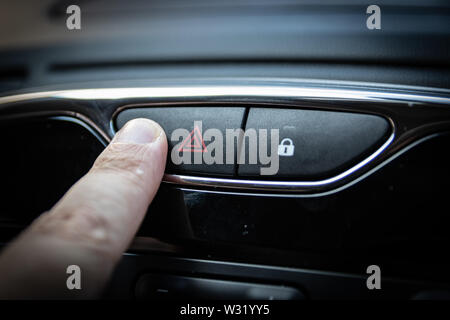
[(82, 225), (121, 156), (129, 161)]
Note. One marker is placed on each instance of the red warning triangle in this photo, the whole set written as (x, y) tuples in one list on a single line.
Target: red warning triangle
[(193, 142)]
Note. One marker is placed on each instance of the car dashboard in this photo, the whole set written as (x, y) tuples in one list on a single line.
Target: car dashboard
[(363, 118)]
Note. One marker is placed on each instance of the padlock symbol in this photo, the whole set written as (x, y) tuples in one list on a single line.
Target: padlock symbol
[(286, 148)]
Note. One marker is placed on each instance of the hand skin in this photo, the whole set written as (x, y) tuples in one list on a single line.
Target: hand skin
[(92, 225)]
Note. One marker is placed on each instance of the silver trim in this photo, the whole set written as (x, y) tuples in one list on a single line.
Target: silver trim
[(249, 184), (227, 91)]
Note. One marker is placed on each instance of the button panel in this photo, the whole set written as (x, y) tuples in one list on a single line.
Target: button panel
[(276, 144)]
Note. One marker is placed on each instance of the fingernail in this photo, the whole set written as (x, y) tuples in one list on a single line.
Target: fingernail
[(139, 131)]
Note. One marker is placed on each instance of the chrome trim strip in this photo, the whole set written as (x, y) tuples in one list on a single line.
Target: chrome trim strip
[(225, 91), (268, 185)]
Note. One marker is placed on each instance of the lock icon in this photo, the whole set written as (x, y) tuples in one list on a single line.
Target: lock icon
[(286, 148)]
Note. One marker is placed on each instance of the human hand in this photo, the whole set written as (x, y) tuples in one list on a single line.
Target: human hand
[(93, 224)]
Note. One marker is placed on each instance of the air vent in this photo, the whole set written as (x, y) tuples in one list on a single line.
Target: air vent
[(45, 157)]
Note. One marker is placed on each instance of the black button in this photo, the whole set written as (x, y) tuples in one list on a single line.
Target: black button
[(193, 148), (315, 144)]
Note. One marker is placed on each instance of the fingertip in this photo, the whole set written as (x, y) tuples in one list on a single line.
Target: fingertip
[(139, 131)]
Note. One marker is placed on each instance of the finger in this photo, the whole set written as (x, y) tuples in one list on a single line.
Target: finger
[(94, 223)]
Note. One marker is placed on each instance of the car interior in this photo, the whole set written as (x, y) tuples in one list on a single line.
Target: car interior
[(355, 172)]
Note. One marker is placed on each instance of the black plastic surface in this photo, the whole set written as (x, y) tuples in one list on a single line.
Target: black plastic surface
[(312, 283), (323, 143), (395, 218)]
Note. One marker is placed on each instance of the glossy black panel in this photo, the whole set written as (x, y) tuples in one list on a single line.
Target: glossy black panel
[(398, 217)]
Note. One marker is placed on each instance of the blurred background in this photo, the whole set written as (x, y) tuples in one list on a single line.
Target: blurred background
[(307, 39)]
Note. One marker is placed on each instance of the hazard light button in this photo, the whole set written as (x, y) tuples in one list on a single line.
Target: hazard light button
[(202, 140)]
